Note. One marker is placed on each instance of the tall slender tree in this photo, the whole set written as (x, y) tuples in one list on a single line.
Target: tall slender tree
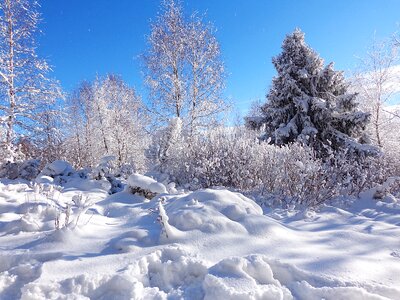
[(26, 88), (165, 61), (376, 82), (184, 69)]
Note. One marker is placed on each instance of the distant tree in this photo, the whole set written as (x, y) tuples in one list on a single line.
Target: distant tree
[(125, 121), (26, 91), (254, 119), (49, 140), (184, 70), (376, 81), (310, 103), (109, 120)]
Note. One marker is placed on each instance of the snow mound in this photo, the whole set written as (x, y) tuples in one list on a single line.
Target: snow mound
[(211, 211), (146, 183), (243, 278), (57, 168), (163, 274), (43, 179)]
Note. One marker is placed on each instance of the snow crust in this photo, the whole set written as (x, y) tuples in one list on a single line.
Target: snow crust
[(219, 245)]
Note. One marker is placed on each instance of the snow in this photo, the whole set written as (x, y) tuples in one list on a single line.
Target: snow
[(146, 183), (57, 168), (206, 244)]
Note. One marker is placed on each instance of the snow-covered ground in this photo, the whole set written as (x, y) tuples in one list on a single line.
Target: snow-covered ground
[(211, 244)]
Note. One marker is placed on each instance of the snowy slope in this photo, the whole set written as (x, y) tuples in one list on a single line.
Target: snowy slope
[(211, 244)]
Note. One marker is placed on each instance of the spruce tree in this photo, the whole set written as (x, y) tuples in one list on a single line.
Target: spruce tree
[(310, 103)]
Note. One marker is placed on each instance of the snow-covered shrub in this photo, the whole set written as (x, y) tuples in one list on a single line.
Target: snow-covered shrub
[(162, 219), (107, 169), (57, 168), (80, 206), (125, 171), (145, 186), (385, 173), (68, 214), (165, 143), (27, 170), (9, 170), (289, 174)]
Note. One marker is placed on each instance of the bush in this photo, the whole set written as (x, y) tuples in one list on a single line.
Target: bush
[(27, 170), (290, 174)]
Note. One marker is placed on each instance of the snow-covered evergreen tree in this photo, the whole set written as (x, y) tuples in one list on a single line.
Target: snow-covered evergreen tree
[(310, 103)]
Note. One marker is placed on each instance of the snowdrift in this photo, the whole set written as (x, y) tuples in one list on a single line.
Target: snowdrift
[(208, 244)]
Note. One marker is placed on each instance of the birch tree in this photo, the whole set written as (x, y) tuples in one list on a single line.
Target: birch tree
[(206, 75), (78, 143), (377, 81), (25, 86), (184, 69), (165, 62), (109, 120)]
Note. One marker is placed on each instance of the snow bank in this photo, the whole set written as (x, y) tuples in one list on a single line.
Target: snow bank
[(243, 278), (173, 273), (219, 246), (211, 211)]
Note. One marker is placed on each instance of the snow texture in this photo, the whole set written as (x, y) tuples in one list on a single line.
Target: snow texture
[(219, 245)]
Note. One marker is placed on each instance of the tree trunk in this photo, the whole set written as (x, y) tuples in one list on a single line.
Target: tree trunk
[(11, 85)]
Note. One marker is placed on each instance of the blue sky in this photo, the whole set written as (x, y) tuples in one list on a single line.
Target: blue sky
[(82, 38)]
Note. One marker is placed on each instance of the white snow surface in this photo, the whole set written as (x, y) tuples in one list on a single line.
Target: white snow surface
[(146, 183), (207, 244), (56, 168)]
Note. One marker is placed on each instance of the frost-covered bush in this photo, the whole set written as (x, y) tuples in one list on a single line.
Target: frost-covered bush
[(57, 168), (107, 169), (27, 170), (289, 174), (165, 143)]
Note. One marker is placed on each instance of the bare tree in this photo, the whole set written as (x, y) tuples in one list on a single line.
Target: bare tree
[(376, 82), (80, 128), (206, 74), (26, 90), (184, 70), (165, 60), (109, 120)]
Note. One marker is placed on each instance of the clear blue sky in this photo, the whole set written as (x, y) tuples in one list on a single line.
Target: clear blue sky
[(82, 38)]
